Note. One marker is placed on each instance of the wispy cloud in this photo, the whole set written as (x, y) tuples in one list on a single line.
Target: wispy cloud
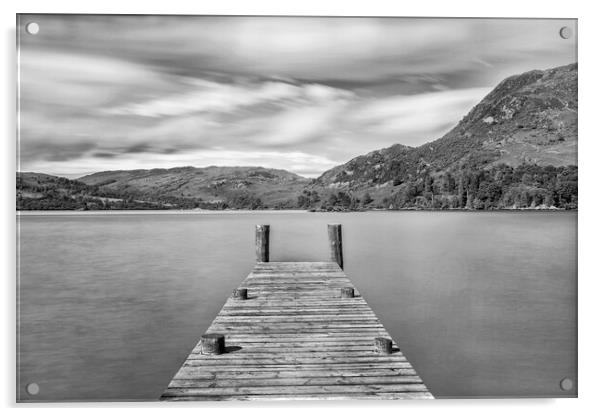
[(202, 95), (125, 92), (417, 113), (302, 163)]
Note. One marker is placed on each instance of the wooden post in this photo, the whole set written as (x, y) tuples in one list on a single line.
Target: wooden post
[(336, 243), (213, 344), (347, 292), (383, 345), (240, 293), (262, 243)]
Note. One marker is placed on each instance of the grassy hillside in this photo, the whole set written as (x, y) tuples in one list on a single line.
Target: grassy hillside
[(177, 188), (218, 187), (38, 191)]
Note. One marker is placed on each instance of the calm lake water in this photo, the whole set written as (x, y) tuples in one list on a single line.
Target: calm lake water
[(482, 304)]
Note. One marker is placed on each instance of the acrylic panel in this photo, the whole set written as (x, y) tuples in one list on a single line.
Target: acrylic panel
[(262, 207)]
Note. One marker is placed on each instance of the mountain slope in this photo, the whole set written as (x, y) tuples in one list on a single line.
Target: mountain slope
[(38, 191), (527, 122), (210, 188), (235, 187)]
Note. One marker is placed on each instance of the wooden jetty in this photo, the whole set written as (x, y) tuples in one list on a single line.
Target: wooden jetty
[(296, 330)]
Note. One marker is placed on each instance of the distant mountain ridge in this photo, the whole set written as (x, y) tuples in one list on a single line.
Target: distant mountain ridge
[(517, 148)]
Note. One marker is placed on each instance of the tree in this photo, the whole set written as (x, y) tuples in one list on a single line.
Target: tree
[(367, 199)]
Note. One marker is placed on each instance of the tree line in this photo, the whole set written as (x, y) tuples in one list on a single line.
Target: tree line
[(498, 187), (470, 187)]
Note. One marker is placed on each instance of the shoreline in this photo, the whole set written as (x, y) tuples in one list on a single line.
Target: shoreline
[(26, 213)]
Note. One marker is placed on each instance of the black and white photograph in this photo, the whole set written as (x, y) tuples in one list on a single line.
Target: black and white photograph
[(258, 208)]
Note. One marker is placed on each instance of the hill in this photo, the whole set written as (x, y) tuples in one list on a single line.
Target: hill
[(178, 188), (38, 191), (209, 187), (517, 148)]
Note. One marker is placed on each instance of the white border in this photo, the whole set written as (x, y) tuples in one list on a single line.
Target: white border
[(590, 152)]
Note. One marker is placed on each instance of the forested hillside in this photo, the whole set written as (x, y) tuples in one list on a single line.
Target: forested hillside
[(497, 187)]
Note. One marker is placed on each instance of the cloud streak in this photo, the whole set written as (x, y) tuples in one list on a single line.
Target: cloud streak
[(202, 95), (125, 92)]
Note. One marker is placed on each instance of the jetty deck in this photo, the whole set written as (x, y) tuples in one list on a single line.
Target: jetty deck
[(296, 330)]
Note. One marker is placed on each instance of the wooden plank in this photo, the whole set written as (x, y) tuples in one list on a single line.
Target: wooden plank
[(305, 361), (268, 348), (295, 338), (359, 336), (297, 318), (200, 373), (295, 381), (293, 365), (216, 366), (343, 336), (323, 396), (330, 388)]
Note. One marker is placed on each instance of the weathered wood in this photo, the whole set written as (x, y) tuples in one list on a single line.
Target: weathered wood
[(295, 381), (313, 396), (240, 293), (262, 243), (208, 366), (347, 292), (317, 358), (336, 243), (212, 344), (297, 337), (197, 373), (249, 349), (333, 388), (383, 345)]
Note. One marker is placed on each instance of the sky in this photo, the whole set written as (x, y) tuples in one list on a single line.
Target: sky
[(103, 93)]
